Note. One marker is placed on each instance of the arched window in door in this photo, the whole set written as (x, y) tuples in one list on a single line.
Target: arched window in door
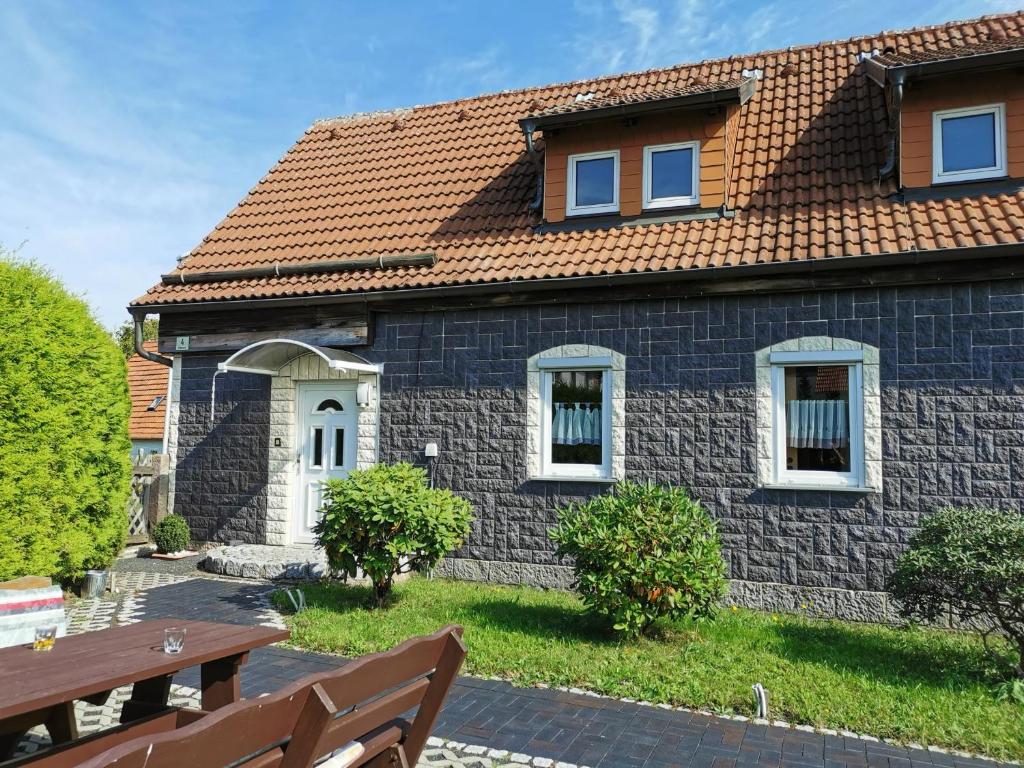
[(330, 405)]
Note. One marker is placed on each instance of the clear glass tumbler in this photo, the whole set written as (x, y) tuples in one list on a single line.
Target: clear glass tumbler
[(174, 639)]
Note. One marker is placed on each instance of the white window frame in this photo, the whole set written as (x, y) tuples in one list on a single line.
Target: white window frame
[(648, 181), (548, 366), (324, 446), (797, 478), (335, 429), (571, 209), (972, 174)]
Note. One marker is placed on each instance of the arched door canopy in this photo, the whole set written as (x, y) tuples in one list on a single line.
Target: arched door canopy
[(268, 357)]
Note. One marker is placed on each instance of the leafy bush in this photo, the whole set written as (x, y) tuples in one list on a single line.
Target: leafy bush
[(64, 450), (641, 552), (972, 562), (171, 534), (385, 520)]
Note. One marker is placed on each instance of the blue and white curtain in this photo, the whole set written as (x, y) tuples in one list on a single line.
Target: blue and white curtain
[(817, 424), (576, 424)]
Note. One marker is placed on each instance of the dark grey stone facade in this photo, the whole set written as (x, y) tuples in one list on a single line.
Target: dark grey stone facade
[(221, 467), (952, 362)]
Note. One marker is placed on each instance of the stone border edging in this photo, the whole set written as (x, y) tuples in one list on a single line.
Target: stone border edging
[(514, 759)]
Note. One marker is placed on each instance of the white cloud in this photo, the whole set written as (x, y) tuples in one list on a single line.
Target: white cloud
[(643, 24), (612, 36), (633, 34), (482, 72)]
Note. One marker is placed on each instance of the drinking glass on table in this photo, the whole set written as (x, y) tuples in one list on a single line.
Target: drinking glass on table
[(45, 638), (174, 639)]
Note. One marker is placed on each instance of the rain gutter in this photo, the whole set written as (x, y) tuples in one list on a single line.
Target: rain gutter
[(512, 287)]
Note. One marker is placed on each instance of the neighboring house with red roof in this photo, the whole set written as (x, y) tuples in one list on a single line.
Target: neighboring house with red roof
[(147, 385), (789, 281)]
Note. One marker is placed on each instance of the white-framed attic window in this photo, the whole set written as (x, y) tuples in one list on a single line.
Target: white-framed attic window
[(671, 175), (969, 144), (592, 186)]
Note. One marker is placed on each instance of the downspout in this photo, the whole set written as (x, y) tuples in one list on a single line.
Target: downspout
[(529, 126), (142, 352), (167, 409), (894, 124)]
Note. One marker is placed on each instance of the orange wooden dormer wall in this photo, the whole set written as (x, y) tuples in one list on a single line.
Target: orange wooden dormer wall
[(923, 98), (707, 126)]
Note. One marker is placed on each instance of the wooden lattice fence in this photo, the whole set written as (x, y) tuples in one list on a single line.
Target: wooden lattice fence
[(147, 502)]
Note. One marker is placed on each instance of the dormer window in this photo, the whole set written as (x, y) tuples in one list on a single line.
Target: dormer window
[(969, 144), (593, 184), (671, 175)]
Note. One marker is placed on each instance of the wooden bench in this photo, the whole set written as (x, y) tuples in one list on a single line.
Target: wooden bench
[(364, 706), (42, 687)]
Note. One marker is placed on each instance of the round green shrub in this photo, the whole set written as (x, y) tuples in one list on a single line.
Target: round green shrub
[(65, 470), (641, 552), (969, 561), (171, 534), (386, 520)]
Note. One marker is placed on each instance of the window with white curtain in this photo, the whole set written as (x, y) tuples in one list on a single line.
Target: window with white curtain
[(576, 418), (818, 407)]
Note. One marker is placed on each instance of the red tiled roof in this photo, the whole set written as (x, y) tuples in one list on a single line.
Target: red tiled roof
[(616, 98), (146, 381), (454, 179), (932, 54)]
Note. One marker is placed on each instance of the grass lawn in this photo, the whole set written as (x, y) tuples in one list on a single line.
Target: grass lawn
[(910, 684)]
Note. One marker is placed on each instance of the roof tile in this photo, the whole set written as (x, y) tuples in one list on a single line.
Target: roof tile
[(146, 381)]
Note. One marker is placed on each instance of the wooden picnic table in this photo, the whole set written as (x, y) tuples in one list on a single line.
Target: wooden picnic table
[(41, 687)]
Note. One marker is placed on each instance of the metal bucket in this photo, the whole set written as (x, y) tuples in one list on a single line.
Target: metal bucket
[(95, 583)]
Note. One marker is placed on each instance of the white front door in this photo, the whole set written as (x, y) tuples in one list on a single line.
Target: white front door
[(326, 438)]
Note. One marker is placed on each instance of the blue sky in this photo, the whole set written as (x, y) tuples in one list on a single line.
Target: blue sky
[(128, 129)]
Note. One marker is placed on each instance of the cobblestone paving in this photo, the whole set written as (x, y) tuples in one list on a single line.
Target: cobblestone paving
[(490, 723)]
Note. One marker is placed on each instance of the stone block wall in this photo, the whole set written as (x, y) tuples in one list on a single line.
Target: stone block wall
[(951, 363), (220, 479)]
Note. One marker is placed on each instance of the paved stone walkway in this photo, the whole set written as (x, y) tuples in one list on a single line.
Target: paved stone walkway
[(492, 723)]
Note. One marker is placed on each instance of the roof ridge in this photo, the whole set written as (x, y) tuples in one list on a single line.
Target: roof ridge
[(595, 80), (356, 116)]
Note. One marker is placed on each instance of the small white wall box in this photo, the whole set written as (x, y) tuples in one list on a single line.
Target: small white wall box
[(430, 450), (363, 394)]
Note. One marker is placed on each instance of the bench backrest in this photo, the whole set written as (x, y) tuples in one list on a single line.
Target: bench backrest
[(363, 701)]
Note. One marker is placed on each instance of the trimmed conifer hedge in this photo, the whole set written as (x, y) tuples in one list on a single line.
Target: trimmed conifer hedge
[(65, 467)]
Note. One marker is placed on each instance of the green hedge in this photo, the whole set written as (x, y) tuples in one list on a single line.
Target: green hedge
[(65, 470)]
